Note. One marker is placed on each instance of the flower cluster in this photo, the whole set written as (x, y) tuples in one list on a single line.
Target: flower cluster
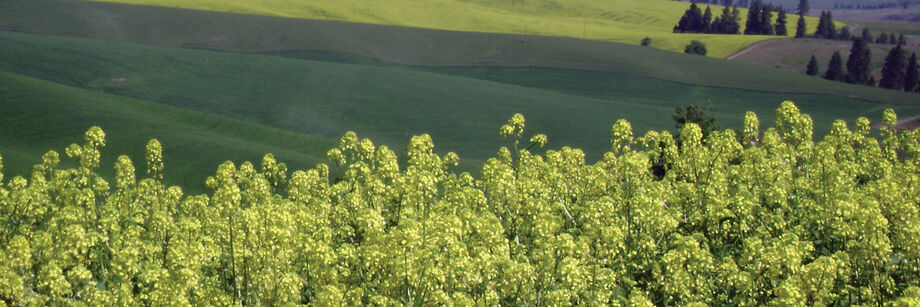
[(764, 217)]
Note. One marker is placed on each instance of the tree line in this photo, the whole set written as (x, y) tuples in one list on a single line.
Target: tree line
[(828, 30), (887, 5), (898, 73), (760, 22), (750, 216)]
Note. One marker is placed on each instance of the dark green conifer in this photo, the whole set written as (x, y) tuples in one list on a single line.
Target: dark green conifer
[(894, 70), (800, 27), (692, 20), (858, 62), (753, 19), (911, 77), (781, 23), (812, 69), (835, 68), (803, 8), (766, 22), (707, 21), (826, 28), (844, 34), (867, 35)]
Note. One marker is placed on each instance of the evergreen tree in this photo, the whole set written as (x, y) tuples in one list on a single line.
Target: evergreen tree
[(894, 69), (858, 62), (766, 25), (892, 40), (901, 40), (866, 35), (727, 23), (834, 68), (844, 34), (753, 19), (733, 25), (822, 25), (812, 69), (826, 28), (830, 29), (882, 38), (716, 25), (692, 21), (803, 8), (781, 23), (707, 21), (911, 77), (800, 27)]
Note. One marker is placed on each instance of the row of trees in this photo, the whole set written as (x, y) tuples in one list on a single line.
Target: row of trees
[(759, 20), (898, 72), (827, 30), (751, 217), (887, 5), (884, 38), (696, 21)]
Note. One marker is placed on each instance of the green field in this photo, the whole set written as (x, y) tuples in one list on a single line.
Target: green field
[(199, 102), (376, 44), (216, 86), (625, 21), (39, 115)]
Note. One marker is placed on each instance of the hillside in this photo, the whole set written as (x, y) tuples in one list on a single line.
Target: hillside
[(410, 175), (318, 79), (375, 44), (794, 54), (39, 115), (829, 4), (625, 21), (458, 106)]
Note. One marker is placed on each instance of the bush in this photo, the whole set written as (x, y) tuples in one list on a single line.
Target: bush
[(646, 41), (695, 47)]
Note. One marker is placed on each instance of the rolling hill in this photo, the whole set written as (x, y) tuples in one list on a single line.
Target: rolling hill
[(39, 115), (216, 86), (829, 4), (625, 21), (376, 44), (460, 107)]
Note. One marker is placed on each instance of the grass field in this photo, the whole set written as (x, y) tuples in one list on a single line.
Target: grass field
[(216, 86), (364, 43), (39, 115), (211, 106), (626, 21)]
